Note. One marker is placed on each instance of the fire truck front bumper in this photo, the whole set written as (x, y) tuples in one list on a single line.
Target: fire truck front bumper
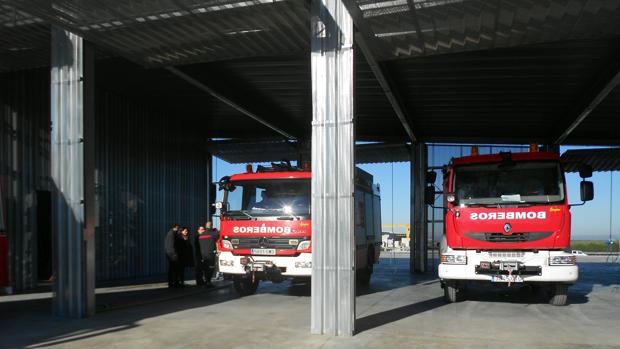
[(509, 266), (286, 266)]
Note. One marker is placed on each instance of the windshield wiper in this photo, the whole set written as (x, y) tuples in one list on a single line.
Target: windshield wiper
[(247, 214)]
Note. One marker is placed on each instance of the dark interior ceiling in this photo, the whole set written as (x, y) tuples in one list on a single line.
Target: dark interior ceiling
[(464, 70)]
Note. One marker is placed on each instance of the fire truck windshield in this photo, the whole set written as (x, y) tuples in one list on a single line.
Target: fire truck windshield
[(523, 182), (270, 197)]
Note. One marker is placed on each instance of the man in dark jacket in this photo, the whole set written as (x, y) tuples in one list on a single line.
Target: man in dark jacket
[(172, 256), (205, 257), (184, 249)]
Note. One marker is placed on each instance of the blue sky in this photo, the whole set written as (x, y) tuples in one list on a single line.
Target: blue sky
[(591, 221)]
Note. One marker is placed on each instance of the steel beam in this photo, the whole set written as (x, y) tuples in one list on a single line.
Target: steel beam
[(599, 96), (419, 211), (73, 163), (387, 85), (228, 101), (333, 141), (364, 34)]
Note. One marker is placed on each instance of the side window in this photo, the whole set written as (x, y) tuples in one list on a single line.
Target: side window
[(360, 207)]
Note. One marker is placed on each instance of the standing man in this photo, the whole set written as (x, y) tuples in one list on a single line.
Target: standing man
[(172, 256), (206, 245), (185, 252), (201, 267)]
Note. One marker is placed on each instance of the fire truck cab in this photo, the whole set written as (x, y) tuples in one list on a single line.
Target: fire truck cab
[(265, 226), (507, 221)]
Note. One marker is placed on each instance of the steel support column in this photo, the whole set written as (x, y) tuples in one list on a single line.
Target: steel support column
[(73, 163), (210, 190), (419, 210), (333, 274)]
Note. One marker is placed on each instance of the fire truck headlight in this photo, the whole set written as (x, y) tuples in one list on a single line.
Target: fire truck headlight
[(227, 263), (304, 245), (562, 260), (453, 259), (287, 209), (303, 264), (227, 244)]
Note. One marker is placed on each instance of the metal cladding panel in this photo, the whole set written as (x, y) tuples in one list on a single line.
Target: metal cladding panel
[(24, 165), (604, 159), (333, 141), (151, 172)]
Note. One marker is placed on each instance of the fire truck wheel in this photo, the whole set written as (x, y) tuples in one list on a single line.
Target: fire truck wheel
[(244, 285), (559, 294), (451, 292)]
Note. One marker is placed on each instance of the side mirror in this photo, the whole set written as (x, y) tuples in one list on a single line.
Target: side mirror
[(587, 191), (431, 177), (585, 171), (220, 205), (429, 195), (226, 184)]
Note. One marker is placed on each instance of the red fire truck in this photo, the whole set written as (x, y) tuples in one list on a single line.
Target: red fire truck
[(507, 220), (265, 226)]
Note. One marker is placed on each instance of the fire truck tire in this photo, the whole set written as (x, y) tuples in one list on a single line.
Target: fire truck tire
[(244, 285), (451, 292), (559, 294)]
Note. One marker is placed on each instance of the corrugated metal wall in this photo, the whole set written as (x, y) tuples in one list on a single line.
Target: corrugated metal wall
[(151, 172), (24, 165)]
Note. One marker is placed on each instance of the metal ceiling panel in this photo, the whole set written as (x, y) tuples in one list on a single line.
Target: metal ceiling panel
[(415, 28), (603, 159), (509, 95), (24, 40), (173, 32)]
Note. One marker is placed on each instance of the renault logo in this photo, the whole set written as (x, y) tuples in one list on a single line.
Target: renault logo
[(507, 228)]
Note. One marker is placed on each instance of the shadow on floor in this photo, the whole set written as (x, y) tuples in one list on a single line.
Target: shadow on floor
[(29, 322), (389, 274), (392, 315)]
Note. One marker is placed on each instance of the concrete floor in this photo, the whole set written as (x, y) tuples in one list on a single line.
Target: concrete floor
[(397, 310)]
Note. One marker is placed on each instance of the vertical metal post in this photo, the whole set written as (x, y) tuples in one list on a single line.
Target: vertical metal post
[(209, 189), (419, 211), (73, 163), (333, 257)]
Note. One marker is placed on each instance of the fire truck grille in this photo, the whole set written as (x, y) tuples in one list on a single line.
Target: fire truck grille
[(514, 237), (506, 254), (280, 243)]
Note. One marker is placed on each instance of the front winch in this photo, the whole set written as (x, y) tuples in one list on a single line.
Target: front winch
[(264, 270)]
